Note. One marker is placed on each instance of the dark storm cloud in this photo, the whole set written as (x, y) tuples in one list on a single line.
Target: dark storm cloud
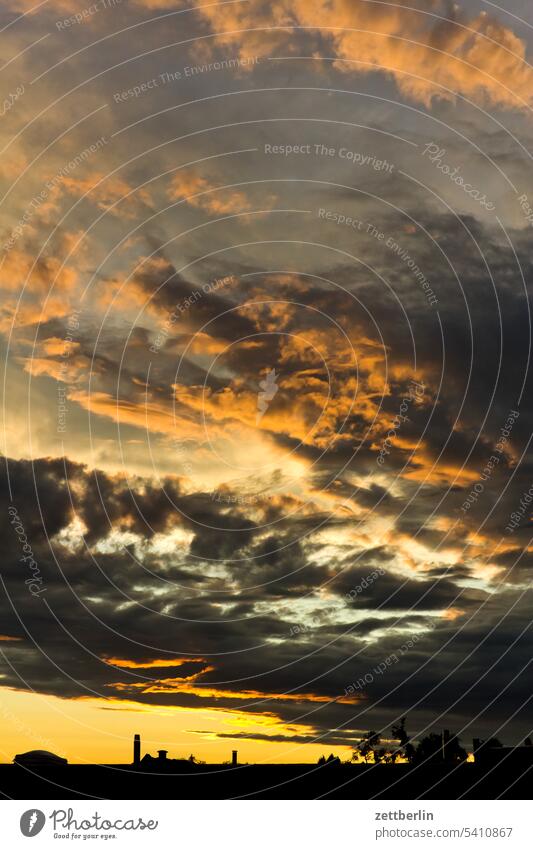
[(195, 626), (391, 592), (171, 293)]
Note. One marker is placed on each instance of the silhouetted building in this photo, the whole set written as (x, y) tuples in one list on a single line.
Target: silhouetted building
[(137, 750), (234, 757), (39, 758), (489, 754), (164, 764)]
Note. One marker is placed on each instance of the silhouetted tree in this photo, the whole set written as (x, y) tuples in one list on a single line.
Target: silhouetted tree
[(368, 747), (405, 747), (331, 760), (431, 749)]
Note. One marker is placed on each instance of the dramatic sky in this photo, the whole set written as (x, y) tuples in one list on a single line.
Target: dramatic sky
[(265, 331)]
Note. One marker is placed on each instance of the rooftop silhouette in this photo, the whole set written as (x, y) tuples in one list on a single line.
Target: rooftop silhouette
[(437, 767)]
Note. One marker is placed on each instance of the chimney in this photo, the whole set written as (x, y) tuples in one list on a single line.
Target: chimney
[(445, 740), (137, 750), (162, 754), (234, 757)]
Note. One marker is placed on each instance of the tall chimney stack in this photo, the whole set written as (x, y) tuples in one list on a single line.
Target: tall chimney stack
[(137, 750), (445, 741), (234, 757)]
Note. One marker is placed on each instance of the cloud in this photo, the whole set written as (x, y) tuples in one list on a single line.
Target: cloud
[(436, 52), (198, 191), (226, 566), (137, 596), (113, 194)]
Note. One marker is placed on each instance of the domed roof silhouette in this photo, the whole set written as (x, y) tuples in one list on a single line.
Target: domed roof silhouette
[(39, 757)]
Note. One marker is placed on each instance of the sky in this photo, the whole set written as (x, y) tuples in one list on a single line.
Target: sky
[(265, 332)]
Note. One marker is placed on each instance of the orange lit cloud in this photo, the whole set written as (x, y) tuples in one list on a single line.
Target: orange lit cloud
[(199, 192), (68, 371), (111, 193), (477, 57), (21, 270), (453, 613), (151, 664), (44, 286), (147, 416), (181, 685), (12, 164), (54, 347), (189, 685)]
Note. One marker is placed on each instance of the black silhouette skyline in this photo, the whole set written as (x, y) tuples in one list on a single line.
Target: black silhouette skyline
[(435, 767)]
